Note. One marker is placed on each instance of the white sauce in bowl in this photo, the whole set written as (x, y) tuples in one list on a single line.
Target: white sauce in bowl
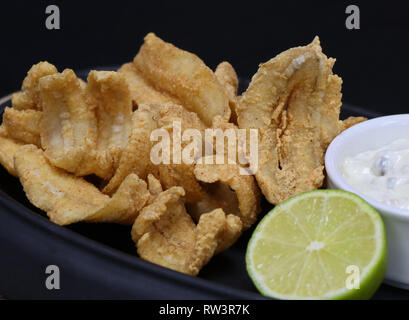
[(381, 174)]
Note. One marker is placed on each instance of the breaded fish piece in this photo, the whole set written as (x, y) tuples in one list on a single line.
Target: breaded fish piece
[(68, 125), (64, 197), (124, 206), (8, 148), (227, 76), (29, 97), (135, 157), (225, 185), (68, 199), (183, 75), (227, 189), (23, 125), (113, 107), (174, 174), (154, 186), (22, 101), (230, 144), (141, 90), (166, 235), (294, 100), (164, 232), (215, 232)]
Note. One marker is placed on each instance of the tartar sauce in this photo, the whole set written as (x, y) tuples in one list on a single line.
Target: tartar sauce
[(381, 174)]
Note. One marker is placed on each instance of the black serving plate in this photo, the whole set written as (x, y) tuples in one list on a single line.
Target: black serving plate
[(99, 261)]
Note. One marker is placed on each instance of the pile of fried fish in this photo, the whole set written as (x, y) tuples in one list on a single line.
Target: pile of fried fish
[(61, 130)]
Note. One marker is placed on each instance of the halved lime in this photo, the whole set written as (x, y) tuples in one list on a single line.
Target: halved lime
[(322, 244)]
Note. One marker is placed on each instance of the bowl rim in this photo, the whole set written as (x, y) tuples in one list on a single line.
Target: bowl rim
[(336, 177)]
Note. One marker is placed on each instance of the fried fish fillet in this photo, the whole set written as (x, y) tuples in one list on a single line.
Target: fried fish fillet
[(110, 94), (141, 90), (29, 97), (226, 188), (166, 235), (64, 197), (8, 147), (179, 172), (215, 230), (231, 145), (164, 232), (21, 101), (124, 206), (154, 186), (23, 125), (183, 75), (294, 100), (68, 199), (227, 76), (135, 157), (68, 125)]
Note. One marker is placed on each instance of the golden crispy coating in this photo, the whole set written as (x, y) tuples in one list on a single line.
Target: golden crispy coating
[(224, 185), (181, 175), (23, 125), (22, 101), (231, 228), (29, 97), (154, 186), (64, 197), (168, 113), (141, 90), (227, 76), (215, 195), (8, 148), (175, 174), (232, 138), (113, 106), (182, 75), (166, 235), (164, 232), (3, 131), (68, 199), (351, 121), (228, 189), (68, 126), (294, 100), (124, 206), (135, 156), (215, 233)]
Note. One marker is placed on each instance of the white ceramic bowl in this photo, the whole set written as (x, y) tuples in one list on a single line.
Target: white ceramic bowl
[(373, 134)]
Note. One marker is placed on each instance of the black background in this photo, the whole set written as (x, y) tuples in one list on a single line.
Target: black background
[(373, 61)]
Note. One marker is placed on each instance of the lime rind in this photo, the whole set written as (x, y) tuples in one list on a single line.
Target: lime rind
[(371, 276)]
